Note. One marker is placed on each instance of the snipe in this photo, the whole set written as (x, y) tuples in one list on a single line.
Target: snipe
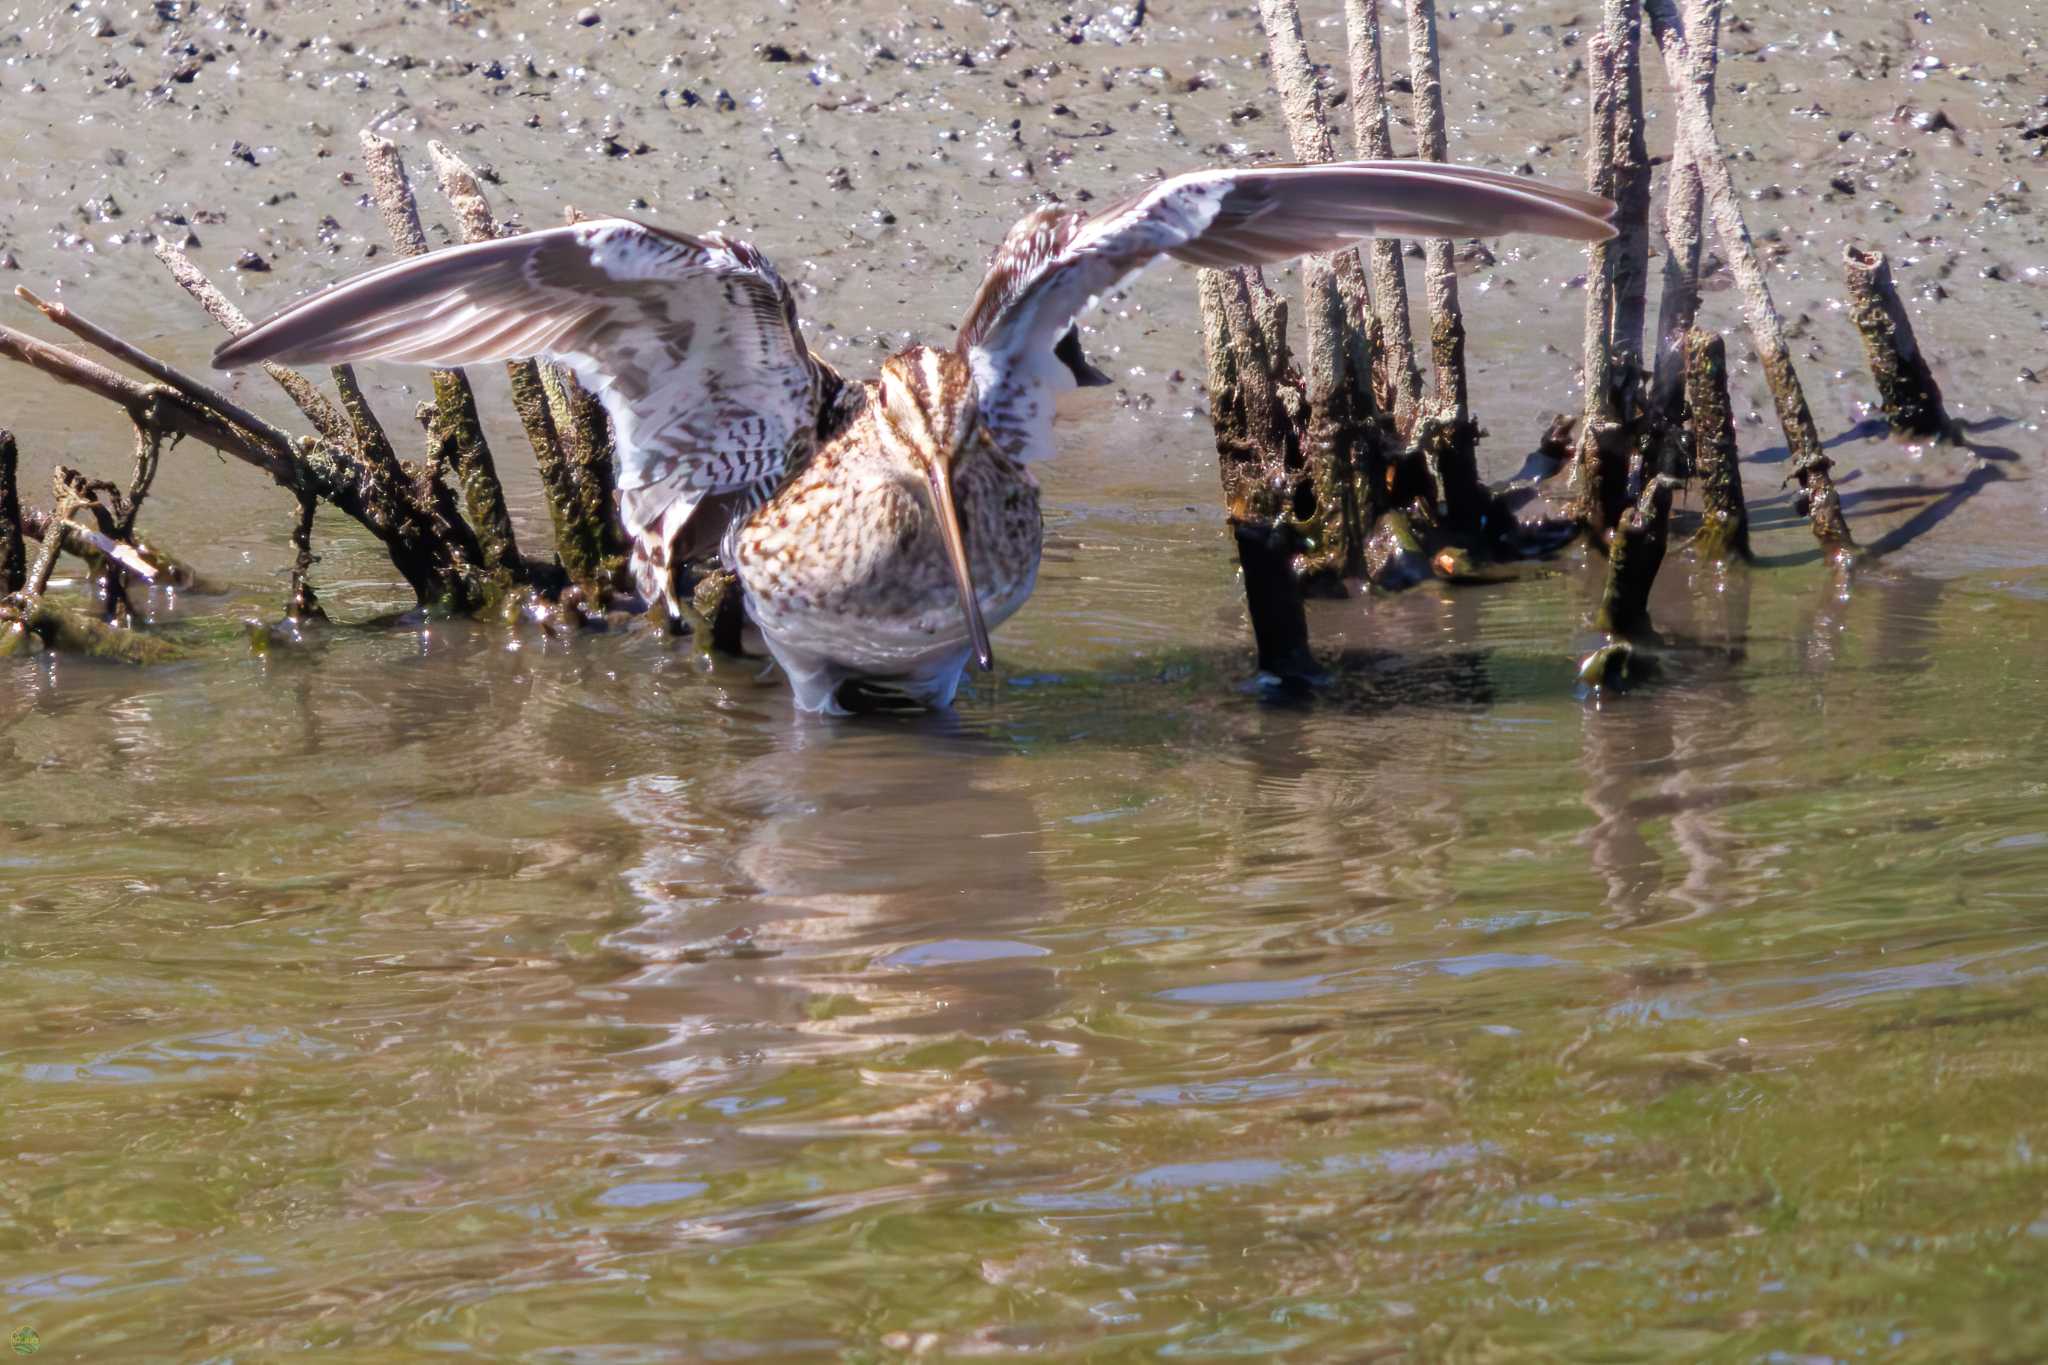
[(879, 528)]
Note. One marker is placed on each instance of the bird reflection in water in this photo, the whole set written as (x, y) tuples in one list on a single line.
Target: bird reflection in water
[(856, 890)]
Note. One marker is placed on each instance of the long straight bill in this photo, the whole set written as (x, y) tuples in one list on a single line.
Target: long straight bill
[(940, 480)]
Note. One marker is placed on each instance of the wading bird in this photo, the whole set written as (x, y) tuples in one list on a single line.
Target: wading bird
[(879, 527)]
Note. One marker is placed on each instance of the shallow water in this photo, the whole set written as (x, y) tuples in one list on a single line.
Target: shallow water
[(442, 988), (449, 991)]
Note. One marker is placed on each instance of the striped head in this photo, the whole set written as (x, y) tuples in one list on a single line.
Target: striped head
[(928, 416), (928, 404)]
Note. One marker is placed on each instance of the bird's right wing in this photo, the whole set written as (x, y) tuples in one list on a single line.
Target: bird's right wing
[(690, 342), (1056, 264)]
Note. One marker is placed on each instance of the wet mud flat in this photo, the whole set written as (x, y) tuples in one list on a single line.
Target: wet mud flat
[(452, 989)]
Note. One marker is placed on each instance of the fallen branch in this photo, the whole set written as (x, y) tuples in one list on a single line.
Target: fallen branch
[(84, 542), (200, 394), (435, 557), (28, 614), (160, 407)]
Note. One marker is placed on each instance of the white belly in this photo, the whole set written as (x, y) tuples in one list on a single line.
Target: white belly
[(922, 657)]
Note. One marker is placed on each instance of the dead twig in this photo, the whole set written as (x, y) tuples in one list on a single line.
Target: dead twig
[(85, 542), (165, 408), (308, 399), (200, 394)]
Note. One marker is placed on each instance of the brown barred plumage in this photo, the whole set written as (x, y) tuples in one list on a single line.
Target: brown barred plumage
[(877, 528)]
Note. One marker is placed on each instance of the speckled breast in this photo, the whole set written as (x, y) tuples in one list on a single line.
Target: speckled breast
[(846, 562)]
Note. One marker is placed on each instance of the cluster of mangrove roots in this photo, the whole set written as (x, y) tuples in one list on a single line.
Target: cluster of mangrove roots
[(442, 517), (1346, 466)]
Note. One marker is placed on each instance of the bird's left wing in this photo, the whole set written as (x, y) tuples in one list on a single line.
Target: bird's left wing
[(1055, 264)]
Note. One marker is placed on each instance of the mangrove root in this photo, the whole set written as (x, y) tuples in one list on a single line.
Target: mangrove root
[(572, 452), (1397, 383), (1394, 556), (13, 555), (1724, 520), (1339, 446), (717, 600), (1634, 557), (1905, 386), (457, 426), (1256, 407), (1810, 464), (1265, 552), (1679, 300), (1617, 166)]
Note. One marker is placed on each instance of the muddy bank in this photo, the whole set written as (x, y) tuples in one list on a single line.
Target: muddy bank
[(877, 152)]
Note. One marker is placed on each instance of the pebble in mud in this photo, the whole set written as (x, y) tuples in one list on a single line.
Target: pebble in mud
[(589, 17)]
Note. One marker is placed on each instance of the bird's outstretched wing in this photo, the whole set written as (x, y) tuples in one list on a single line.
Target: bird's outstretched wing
[(690, 342), (1056, 263)]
